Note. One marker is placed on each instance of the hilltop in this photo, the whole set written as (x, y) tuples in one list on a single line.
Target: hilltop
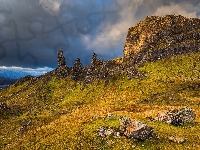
[(66, 108)]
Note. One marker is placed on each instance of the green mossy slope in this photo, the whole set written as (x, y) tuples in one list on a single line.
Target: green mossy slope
[(65, 115)]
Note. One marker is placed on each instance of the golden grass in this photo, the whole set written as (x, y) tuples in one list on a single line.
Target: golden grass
[(66, 115)]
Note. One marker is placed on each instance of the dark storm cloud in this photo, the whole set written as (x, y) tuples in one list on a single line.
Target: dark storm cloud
[(31, 31)]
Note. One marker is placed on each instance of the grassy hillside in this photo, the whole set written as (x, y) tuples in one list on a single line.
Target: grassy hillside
[(63, 114)]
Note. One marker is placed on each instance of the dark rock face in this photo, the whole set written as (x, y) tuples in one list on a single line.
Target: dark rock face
[(159, 37), (96, 70), (61, 59), (77, 71), (136, 130), (177, 117)]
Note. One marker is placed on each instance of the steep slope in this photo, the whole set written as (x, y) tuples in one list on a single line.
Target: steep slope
[(159, 37), (65, 114)]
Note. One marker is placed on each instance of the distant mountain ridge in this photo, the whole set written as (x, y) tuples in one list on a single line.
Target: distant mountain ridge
[(12, 74), (5, 82)]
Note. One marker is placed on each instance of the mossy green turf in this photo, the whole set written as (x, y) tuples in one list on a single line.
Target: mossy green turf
[(66, 115)]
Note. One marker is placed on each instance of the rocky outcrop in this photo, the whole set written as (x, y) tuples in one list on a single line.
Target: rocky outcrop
[(77, 72), (129, 128), (61, 59), (150, 40), (159, 37), (177, 117)]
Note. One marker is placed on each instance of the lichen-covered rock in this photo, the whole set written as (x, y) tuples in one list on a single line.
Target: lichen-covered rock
[(135, 130), (177, 117)]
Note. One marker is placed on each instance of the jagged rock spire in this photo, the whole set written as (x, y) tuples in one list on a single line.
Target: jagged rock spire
[(77, 70), (61, 59)]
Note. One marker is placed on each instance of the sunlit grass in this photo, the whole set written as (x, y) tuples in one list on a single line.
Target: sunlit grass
[(65, 114)]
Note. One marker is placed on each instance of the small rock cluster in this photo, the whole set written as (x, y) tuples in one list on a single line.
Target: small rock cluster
[(177, 117), (129, 128), (139, 131)]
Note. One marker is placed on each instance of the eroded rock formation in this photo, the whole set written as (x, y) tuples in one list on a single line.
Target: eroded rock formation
[(159, 37), (61, 59), (150, 40)]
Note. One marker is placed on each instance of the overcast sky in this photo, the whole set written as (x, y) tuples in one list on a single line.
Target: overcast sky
[(32, 31)]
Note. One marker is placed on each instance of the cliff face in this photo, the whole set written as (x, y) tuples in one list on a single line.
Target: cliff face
[(159, 37)]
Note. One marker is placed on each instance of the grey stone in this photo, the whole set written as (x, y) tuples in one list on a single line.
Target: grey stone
[(177, 117), (136, 130)]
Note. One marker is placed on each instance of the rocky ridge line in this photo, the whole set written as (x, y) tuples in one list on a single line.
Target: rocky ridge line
[(151, 39)]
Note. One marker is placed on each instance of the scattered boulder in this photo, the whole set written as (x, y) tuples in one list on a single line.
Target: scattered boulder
[(177, 139), (135, 130), (177, 117), (4, 109)]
